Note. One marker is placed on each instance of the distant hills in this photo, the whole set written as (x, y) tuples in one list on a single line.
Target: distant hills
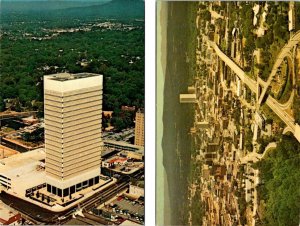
[(44, 5), (76, 8), (114, 8)]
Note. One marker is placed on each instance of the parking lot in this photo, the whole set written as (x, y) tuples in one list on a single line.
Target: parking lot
[(121, 136), (133, 207)]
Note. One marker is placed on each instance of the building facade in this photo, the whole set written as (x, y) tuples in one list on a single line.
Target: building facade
[(139, 134), (73, 121), (187, 98)]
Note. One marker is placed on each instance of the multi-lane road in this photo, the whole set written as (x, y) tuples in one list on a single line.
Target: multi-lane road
[(230, 63), (285, 51), (278, 108)]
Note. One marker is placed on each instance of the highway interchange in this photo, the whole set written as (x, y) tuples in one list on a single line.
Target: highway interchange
[(278, 108)]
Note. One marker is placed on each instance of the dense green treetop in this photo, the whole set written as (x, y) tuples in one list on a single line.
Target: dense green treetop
[(33, 45), (280, 175)]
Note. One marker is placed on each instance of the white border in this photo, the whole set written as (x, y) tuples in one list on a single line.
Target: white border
[(150, 81)]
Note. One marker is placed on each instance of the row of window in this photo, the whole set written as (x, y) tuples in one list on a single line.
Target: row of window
[(75, 188)]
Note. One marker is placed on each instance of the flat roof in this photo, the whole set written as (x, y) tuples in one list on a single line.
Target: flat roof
[(124, 144), (18, 163), (22, 169), (61, 77), (129, 222), (6, 211)]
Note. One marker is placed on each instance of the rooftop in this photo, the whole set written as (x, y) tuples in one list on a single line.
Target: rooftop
[(67, 76), (129, 222), (20, 167), (139, 183), (21, 164), (6, 212), (123, 145)]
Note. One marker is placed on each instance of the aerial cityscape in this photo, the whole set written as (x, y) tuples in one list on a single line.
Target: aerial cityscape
[(228, 113), (72, 112)]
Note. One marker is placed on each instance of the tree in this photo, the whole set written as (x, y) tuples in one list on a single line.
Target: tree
[(205, 15), (26, 136), (2, 104), (280, 173), (119, 124), (297, 112)]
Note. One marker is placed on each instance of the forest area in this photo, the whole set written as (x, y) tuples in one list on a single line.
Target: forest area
[(279, 188), (104, 44)]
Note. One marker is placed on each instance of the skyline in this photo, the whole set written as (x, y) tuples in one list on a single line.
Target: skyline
[(94, 1)]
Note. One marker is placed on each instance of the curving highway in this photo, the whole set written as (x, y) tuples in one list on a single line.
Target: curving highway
[(278, 108), (285, 51)]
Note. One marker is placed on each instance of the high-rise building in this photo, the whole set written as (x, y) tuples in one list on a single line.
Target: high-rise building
[(139, 136), (73, 116), (187, 98), (191, 89)]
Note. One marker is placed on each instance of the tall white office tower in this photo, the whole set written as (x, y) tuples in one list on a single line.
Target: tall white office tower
[(73, 117)]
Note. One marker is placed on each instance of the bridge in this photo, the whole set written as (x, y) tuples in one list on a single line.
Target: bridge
[(285, 52), (253, 85), (233, 66)]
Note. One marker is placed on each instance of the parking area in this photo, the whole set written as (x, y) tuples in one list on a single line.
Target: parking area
[(122, 208), (132, 207)]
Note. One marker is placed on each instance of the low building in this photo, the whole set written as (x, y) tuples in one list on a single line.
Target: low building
[(135, 155), (8, 216), (239, 88), (129, 223), (109, 128), (24, 177), (203, 125), (108, 114), (260, 120), (137, 189), (30, 120), (14, 170), (121, 146), (128, 108)]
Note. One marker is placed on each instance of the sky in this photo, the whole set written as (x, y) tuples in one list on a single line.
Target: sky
[(55, 0)]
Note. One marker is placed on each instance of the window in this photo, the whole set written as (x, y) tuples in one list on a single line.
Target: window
[(66, 192), (59, 192)]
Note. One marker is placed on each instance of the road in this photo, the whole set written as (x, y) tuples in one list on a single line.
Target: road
[(288, 120), (39, 215), (285, 51), (230, 63), (288, 104), (271, 102)]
